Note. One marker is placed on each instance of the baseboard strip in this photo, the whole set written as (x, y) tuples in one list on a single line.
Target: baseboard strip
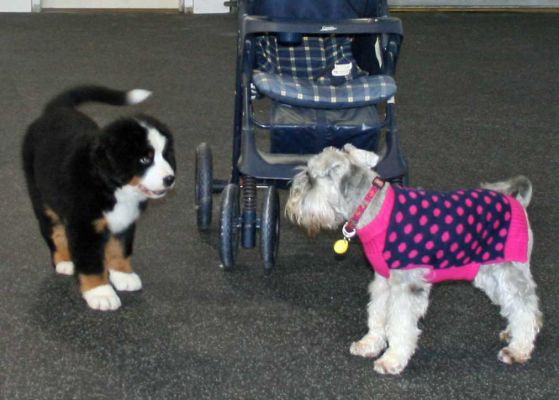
[(436, 9)]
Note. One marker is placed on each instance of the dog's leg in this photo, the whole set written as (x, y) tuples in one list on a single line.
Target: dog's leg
[(511, 286), (62, 258), (87, 246), (54, 234), (39, 209), (374, 341), (45, 225), (407, 303), (117, 261), (52, 227)]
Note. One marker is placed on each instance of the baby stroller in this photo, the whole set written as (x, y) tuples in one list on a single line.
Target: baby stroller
[(325, 69)]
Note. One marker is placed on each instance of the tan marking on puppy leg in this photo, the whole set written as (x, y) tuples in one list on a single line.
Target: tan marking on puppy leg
[(60, 241), (59, 238), (88, 282), (52, 216), (114, 257), (100, 225)]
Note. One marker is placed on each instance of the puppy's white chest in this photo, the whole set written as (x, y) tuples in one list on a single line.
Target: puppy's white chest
[(126, 210)]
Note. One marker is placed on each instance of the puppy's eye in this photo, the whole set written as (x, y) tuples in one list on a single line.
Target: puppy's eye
[(146, 160)]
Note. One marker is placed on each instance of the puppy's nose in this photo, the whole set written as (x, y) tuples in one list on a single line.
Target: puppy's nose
[(169, 180)]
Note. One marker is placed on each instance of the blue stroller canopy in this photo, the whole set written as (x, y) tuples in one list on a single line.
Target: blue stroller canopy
[(318, 9)]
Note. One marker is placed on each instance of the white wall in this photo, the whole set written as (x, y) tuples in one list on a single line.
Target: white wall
[(173, 4), (15, 5), (198, 6), (209, 7)]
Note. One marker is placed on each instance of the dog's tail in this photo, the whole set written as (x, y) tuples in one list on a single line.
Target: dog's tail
[(83, 94), (519, 187)]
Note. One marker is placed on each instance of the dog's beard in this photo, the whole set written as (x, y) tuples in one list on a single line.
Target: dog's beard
[(315, 208)]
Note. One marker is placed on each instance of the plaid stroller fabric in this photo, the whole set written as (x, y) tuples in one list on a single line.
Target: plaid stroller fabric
[(356, 93), (309, 60), (305, 75)]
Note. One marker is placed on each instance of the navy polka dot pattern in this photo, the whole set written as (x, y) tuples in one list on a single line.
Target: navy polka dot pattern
[(446, 229)]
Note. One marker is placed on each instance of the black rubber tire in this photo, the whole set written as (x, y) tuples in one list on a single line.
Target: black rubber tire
[(203, 186), (229, 232), (270, 228)]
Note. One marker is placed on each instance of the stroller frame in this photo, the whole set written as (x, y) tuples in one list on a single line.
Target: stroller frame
[(252, 168)]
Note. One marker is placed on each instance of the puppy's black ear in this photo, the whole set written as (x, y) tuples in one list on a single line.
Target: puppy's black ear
[(104, 162), (100, 161)]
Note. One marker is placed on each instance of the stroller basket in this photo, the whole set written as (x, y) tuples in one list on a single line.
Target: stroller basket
[(309, 130)]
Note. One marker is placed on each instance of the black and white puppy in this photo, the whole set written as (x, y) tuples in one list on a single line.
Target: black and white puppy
[(88, 186)]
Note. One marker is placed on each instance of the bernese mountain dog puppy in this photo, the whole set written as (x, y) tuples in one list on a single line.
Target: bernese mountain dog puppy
[(88, 186)]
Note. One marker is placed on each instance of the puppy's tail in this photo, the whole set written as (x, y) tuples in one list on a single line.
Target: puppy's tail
[(519, 187), (84, 94)]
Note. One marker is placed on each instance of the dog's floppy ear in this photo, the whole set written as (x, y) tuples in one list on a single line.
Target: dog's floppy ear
[(363, 157), (105, 163)]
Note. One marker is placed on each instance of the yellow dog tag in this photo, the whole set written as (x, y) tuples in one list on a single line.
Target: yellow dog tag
[(341, 246)]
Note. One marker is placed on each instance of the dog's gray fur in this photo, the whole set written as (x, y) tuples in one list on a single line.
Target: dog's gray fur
[(325, 194)]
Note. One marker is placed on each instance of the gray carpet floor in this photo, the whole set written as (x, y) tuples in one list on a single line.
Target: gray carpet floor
[(478, 100)]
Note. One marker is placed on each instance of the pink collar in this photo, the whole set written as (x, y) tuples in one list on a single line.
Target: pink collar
[(348, 229)]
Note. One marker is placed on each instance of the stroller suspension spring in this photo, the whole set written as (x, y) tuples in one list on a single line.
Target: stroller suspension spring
[(249, 222)]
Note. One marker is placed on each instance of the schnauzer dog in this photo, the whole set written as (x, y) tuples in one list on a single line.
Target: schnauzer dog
[(414, 238)]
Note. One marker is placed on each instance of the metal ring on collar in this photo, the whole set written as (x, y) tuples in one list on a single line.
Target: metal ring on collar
[(350, 234)]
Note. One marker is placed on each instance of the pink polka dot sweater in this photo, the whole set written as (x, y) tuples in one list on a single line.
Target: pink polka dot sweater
[(450, 233)]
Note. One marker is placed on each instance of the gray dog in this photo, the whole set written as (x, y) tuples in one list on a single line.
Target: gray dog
[(414, 238)]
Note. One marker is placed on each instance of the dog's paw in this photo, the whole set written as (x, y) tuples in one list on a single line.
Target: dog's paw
[(102, 298), (390, 364), (509, 355), (369, 346), (125, 281), (65, 268)]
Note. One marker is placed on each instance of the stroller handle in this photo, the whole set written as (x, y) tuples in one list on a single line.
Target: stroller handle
[(381, 25)]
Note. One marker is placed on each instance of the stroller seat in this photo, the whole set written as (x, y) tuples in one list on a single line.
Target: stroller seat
[(306, 74), (359, 92)]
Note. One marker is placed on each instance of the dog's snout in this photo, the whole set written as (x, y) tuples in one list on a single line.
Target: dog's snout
[(169, 180)]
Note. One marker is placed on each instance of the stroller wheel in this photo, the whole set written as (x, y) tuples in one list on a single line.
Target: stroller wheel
[(203, 186), (229, 225), (269, 228)]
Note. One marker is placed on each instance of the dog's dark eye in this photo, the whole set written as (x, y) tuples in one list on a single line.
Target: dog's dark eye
[(146, 160)]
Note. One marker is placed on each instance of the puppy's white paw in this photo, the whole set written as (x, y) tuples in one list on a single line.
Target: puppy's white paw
[(102, 298), (510, 355), (65, 268), (125, 281), (390, 364), (369, 346)]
